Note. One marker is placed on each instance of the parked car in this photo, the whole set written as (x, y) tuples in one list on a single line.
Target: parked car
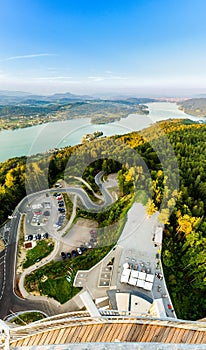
[(63, 255), (93, 235), (69, 255), (46, 235), (61, 210), (61, 204), (56, 194), (93, 231), (88, 245), (74, 253), (26, 238), (38, 236), (79, 251), (30, 237), (83, 249), (61, 218), (58, 185), (93, 240)]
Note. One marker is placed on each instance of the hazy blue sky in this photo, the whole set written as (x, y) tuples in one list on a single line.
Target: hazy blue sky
[(87, 46)]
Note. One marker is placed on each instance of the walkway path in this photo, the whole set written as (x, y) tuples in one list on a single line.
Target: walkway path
[(55, 252)]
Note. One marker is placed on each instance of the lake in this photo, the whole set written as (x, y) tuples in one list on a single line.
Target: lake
[(44, 137)]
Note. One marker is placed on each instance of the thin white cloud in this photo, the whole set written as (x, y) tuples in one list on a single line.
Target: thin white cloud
[(52, 78), (36, 55), (96, 78), (102, 78)]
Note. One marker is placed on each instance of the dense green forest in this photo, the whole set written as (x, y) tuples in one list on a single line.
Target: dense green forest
[(144, 161)]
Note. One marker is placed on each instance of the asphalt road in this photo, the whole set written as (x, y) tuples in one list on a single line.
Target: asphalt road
[(9, 301)]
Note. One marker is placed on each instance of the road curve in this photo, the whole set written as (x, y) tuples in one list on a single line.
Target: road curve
[(9, 301)]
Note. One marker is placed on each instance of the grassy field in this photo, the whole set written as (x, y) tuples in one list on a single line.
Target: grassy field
[(40, 251), (60, 288), (56, 278)]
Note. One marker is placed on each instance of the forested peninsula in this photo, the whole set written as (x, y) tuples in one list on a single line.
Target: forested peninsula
[(34, 112), (194, 106)]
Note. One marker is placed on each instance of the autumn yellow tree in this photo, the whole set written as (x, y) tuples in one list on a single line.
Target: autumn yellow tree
[(150, 207), (187, 224)]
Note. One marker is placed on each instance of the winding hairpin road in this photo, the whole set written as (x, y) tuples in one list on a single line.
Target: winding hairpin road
[(9, 301)]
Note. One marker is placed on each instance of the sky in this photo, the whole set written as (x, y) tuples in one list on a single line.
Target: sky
[(142, 47)]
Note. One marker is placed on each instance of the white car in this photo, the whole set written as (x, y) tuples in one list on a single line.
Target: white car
[(26, 238), (79, 251)]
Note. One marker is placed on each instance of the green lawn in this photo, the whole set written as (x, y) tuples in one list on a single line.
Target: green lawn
[(43, 248), (59, 289), (51, 279), (28, 317)]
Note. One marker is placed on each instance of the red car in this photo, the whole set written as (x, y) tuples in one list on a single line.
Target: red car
[(93, 232)]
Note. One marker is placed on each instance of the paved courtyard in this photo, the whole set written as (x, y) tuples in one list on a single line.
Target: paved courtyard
[(135, 247)]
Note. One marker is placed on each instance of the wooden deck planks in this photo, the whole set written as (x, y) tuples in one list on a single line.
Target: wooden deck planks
[(23, 341), (200, 338), (86, 330), (125, 336), (146, 333), (139, 331), (76, 334), (177, 336), (152, 333), (101, 333), (92, 333), (60, 335), (70, 333), (187, 336), (49, 337), (108, 332), (165, 334), (32, 340), (159, 332), (97, 332), (204, 338), (194, 337), (172, 334), (119, 332), (16, 343), (42, 340), (54, 336), (63, 339), (133, 333)]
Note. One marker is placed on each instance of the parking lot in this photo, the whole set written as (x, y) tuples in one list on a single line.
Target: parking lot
[(80, 235), (46, 214)]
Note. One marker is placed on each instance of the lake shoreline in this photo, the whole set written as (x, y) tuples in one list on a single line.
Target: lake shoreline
[(59, 134)]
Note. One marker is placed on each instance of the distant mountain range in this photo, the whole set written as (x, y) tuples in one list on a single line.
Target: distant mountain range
[(20, 97), (25, 98)]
